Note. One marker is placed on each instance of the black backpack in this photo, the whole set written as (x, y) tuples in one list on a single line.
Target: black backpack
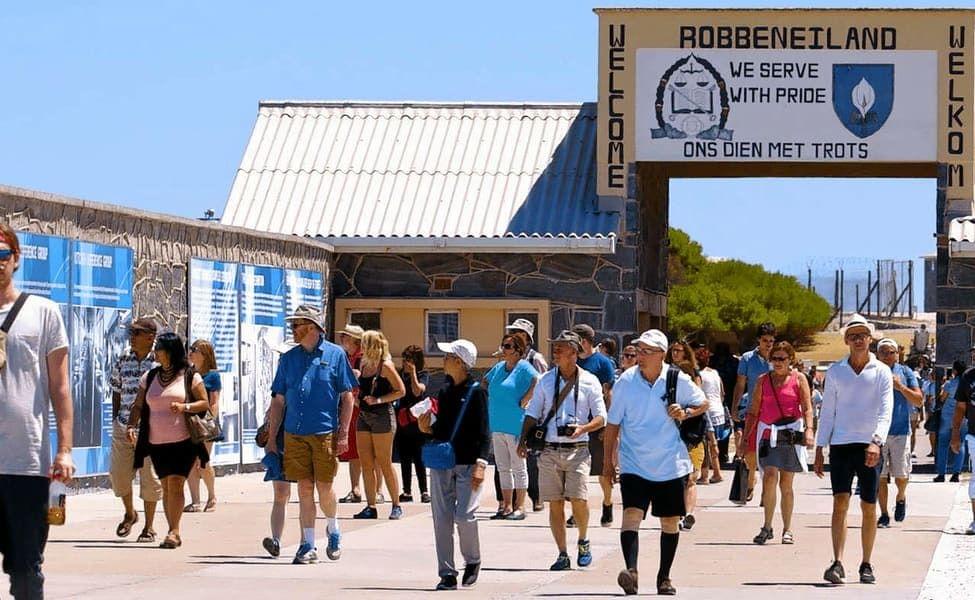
[(692, 430)]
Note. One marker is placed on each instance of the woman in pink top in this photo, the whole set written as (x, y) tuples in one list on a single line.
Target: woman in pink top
[(164, 436), (784, 426)]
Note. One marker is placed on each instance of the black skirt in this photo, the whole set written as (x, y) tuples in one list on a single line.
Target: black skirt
[(177, 458)]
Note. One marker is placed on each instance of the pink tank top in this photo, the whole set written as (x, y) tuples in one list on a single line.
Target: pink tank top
[(780, 403), (166, 427)]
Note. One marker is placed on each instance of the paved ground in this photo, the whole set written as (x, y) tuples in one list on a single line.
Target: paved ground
[(222, 557)]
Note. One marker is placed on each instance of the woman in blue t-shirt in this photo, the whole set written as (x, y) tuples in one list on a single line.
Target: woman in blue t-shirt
[(510, 384), (204, 361)]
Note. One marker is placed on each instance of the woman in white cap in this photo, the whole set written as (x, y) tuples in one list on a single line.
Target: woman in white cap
[(461, 420)]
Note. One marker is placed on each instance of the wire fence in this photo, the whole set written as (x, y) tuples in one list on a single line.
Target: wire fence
[(882, 288)]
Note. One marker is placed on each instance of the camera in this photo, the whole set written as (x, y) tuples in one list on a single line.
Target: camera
[(568, 429)]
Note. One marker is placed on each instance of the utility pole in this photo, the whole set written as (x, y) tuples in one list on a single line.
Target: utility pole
[(858, 296), (869, 291), (842, 294), (910, 289), (808, 278)]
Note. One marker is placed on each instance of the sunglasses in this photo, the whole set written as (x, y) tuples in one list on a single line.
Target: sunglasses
[(629, 355), (508, 346), (857, 337), (193, 349), (650, 351), (779, 358), (6, 253)]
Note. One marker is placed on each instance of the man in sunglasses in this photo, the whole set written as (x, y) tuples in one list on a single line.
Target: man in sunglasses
[(753, 364), (33, 377), (858, 403)]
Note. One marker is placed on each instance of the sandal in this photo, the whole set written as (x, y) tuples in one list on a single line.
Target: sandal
[(147, 536), (189, 508), (787, 538), (751, 494), (211, 505), (351, 498), (125, 527), (515, 515), (763, 536), (172, 541), (501, 514), (716, 479)]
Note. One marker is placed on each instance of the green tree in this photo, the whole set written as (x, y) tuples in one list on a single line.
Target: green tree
[(710, 299)]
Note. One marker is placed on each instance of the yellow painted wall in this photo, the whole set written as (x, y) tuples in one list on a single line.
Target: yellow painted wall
[(482, 321)]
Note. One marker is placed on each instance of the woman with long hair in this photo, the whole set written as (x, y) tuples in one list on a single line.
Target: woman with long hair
[(380, 385), (204, 361), (166, 395), (409, 440), (679, 354), (782, 410)]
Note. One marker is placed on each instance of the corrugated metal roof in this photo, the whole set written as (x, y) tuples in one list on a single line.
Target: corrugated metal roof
[(371, 170), (961, 237)]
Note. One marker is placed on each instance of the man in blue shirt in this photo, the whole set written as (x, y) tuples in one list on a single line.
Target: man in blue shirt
[(315, 382), (603, 368), (753, 364), (897, 451)]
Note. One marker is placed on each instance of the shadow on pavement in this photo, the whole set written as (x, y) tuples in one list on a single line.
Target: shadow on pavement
[(785, 583), (390, 589), (515, 570)]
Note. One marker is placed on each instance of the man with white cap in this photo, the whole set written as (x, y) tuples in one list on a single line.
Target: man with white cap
[(568, 404), (897, 451), (858, 402), (653, 461), (314, 382), (462, 421), (526, 329)]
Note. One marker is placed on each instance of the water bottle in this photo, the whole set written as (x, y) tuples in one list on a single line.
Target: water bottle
[(56, 502)]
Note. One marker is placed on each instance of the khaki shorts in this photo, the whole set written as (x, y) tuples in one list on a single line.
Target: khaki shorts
[(697, 456), (897, 457), (122, 470), (563, 474), (310, 457)]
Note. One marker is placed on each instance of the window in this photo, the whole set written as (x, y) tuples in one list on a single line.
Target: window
[(530, 316), (441, 326), (367, 319)]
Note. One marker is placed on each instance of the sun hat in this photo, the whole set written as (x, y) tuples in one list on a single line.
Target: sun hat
[(858, 321), (568, 337), (585, 332), (523, 325), (146, 324), (887, 342), (353, 331), (307, 312), (653, 338), (465, 350)]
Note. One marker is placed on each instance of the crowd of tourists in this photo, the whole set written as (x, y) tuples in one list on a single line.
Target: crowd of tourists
[(658, 419)]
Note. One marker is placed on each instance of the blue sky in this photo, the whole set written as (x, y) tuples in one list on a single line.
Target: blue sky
[(150, 105)]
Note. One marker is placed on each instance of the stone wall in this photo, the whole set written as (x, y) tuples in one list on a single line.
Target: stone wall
[(955, 279), (163, 245), (594, 289)]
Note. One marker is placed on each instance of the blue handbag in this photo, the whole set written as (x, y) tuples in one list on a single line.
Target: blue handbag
[(440, 454)]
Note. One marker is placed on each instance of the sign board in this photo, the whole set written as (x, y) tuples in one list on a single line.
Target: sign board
[(785, 105)]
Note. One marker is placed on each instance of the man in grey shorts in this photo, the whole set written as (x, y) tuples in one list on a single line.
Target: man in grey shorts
[(897, 451), (565, 397)]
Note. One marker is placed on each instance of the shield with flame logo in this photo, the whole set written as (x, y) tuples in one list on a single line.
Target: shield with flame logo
[(863, 96)]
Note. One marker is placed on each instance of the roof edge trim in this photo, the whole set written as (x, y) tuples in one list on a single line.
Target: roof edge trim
[(603, 245)]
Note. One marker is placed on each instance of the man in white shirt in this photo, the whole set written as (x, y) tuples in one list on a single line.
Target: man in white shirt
[(858, 403), (33, 379), (565, 396), (653, 460)]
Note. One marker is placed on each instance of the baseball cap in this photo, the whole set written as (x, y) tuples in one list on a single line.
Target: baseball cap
[(653, 338), (146, 324), (465, 350), (887, 342), (585, 332), (858, 321), (523, 325), (568, 337), (307, 312)]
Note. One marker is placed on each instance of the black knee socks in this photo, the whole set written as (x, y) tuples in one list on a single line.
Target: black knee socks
[(668, 549), (630, 542)]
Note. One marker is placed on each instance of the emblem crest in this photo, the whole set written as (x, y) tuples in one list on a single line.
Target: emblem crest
[(863, 96), (691, 102)]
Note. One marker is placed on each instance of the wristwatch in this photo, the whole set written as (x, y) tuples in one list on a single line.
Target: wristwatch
[(877, 440)]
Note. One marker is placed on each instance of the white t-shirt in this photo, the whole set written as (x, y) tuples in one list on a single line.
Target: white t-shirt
[(587, 405), (650, 444), (711, 385), (856, 407), (25, 398)]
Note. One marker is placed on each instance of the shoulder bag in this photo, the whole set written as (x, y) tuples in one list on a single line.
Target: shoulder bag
[(535, 441), (440, 454), (7, 324), (692, 430)]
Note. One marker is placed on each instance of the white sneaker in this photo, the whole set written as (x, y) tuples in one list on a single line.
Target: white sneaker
[(971, 529)]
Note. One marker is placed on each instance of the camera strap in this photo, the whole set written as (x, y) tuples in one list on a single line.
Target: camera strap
[(560, 397)]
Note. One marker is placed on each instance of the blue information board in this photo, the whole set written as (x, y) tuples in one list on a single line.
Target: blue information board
[(44, 266)]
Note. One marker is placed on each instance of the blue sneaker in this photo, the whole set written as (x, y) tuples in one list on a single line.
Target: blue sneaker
[(306, 555), (584, 559), (396, 513), (333, 551)]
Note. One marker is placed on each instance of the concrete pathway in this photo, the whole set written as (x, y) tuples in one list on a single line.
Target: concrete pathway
[(222, 558)]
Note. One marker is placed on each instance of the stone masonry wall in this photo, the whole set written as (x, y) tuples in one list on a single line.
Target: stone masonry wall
[(163, 245), (955, 278)]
